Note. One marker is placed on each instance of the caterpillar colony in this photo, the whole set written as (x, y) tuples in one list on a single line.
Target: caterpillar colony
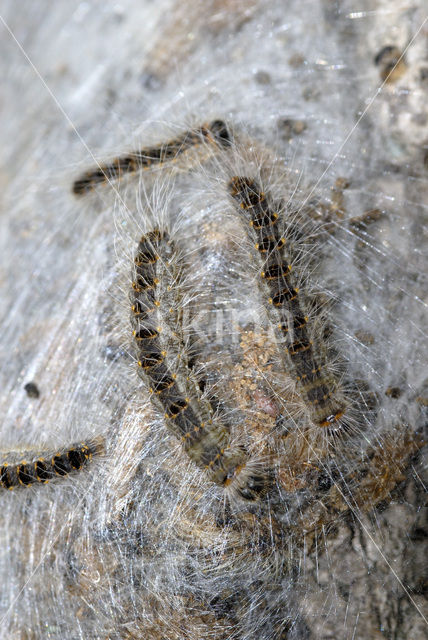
[(242, 480)]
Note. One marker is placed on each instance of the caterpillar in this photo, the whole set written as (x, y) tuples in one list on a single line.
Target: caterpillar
[(215, 132), (279, 283), (46, 467), (164, 368)]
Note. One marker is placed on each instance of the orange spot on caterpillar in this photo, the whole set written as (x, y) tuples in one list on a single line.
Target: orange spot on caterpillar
[(330, 420), (276, 271), (145, 334), (299, 347), (177, 407), (269, 244), (286, 295)]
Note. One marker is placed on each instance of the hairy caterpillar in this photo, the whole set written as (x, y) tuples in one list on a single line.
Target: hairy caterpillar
[(48, 466), (214, 132), (280, 284), (172, 386)]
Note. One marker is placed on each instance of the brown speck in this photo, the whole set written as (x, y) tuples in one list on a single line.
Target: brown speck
[(423, 74), (310, 93), (32, 390), (341, 183), (393, 392), (262, 77), (289, 127), (365, 337), (371, 215), (296, 60), (422, 401), (391, 66), (337, 205)]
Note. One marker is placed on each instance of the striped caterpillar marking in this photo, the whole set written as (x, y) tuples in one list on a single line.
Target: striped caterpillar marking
[(215, 132), (43, 469), (303, 356), (172, 386)]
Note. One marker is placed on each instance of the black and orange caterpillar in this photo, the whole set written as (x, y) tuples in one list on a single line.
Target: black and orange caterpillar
[(46, 467), (214, 132), (173, 389), (280, 282)]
